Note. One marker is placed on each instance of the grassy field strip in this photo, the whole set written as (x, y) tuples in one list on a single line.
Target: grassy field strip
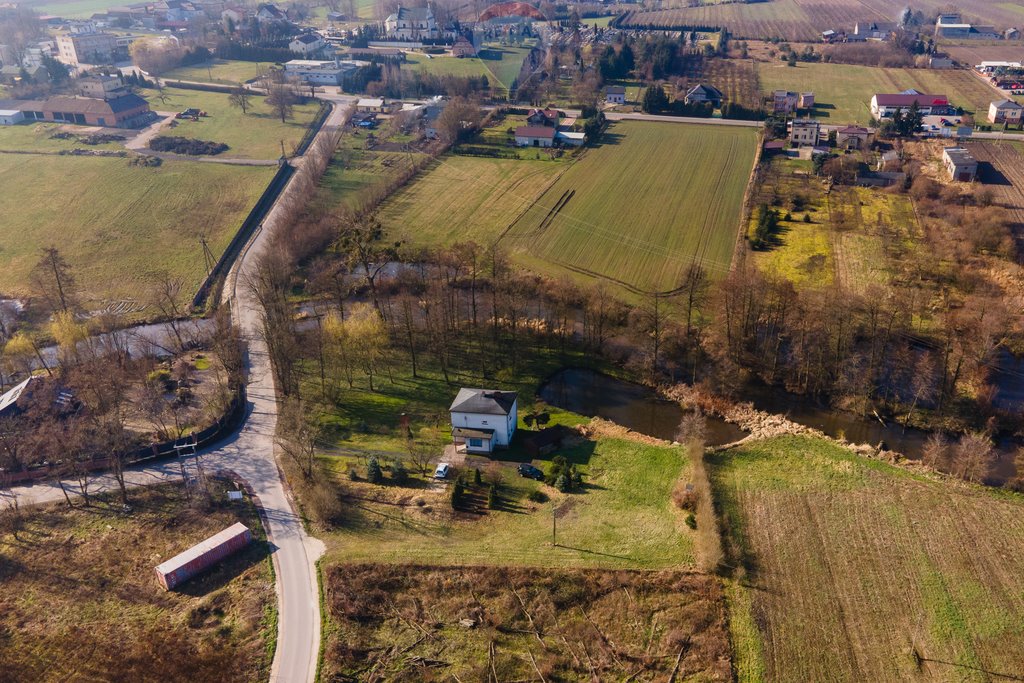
[(853, 566), (644, 205), (118, 225), (462, 198), (258, 134), (219, 71)]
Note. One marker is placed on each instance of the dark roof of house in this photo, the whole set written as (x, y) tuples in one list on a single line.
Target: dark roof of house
[(467, 433), (273, 10), (535, 132), (875, 26), (484, 401), (415, 13), (1007, 104), (308, 38), (854, 130), (905, 100), (709, 91), (615, 90)]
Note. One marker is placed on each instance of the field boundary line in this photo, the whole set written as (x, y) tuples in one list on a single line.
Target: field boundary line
[(739, 252)]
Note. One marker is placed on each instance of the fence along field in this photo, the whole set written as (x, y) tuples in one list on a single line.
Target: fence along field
[(859, 571), (804, 20), (641, 207)]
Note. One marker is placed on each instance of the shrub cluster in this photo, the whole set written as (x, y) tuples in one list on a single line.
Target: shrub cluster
[(189, 146)]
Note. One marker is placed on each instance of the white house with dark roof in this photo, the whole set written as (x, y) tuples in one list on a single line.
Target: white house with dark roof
[(307, 44), (483, 419)]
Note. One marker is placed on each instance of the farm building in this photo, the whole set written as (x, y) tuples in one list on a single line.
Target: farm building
[(804, 132), (570, 138), (373, 105), (615, 94), (535, 136), (202, 556), (953, 27), (873, 30), (1004, 111), (883, 106), (9, 117), (483, 419), (852, 137), (960, 164), (704, 94), (126, 111), (316, 72)]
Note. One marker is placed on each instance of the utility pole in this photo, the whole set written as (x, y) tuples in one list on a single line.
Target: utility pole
[(554, 525)]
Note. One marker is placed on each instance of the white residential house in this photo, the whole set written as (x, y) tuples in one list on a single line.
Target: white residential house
[(1004, 111), (803, 132), (483, 419), (307, 44), (615, 94)]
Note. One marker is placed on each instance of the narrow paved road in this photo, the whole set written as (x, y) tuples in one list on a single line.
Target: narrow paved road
[(250, 454)]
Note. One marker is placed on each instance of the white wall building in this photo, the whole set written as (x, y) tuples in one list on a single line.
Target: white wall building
[(412, 23), (483, 419)]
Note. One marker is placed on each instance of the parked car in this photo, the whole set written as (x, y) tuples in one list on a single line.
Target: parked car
[(442, 471), (530, 472)]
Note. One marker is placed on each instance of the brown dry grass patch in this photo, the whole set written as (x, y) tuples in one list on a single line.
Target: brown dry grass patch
[(80, 600), (402, 622)]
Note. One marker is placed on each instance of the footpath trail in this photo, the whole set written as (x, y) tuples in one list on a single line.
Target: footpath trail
[(250, 454)]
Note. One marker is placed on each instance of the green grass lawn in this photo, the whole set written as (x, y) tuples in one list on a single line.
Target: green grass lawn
[(74, 9), (500, 64), (624, 518), (38, 137), (118, 225), (843, 91), (853, 565), (257, 134), (462, 198), (218, 71), (649, 201), (356, 168)]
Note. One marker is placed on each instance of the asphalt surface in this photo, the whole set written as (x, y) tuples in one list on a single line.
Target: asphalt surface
[(250, 454)]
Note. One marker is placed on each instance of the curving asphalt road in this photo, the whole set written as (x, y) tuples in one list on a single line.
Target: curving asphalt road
[(250, 454)]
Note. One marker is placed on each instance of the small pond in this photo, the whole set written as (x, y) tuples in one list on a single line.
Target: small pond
[(631, 405)]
